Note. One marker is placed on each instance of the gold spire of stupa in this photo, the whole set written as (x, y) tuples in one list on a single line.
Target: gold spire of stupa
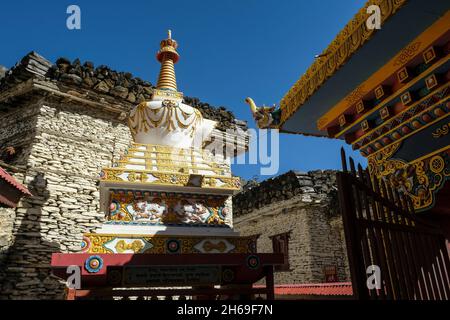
[(167, 56)]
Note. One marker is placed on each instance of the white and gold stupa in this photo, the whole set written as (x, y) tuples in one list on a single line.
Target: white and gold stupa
[(168, 194)]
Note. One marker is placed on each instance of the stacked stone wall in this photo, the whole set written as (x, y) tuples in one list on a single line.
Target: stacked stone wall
[(18, 130), (305, 205), (67, 146)]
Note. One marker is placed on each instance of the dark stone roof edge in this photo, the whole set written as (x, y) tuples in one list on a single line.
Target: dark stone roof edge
[(317, 184), (104, 81)]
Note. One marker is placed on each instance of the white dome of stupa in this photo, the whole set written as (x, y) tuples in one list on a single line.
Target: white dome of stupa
[(165, 119)]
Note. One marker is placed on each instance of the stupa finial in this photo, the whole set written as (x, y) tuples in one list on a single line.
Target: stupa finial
[(167, 56)]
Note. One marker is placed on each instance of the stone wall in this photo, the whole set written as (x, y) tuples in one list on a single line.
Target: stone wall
[(61, 149), (18, 130), (121, 87), (304, 204)]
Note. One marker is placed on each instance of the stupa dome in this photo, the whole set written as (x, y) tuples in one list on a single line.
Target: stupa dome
[(170, 123), (165, 119)]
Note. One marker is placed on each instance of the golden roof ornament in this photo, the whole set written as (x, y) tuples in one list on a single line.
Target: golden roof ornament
[(167, 56)]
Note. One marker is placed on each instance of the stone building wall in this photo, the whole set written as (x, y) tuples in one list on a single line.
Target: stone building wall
[(306, 206), (18, 130), (61, 149)]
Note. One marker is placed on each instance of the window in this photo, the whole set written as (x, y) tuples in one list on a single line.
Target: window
[(280, 244), (8, 153), (330, 273)]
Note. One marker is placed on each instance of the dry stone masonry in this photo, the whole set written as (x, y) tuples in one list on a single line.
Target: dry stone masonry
[(306, 205), (66, 147)]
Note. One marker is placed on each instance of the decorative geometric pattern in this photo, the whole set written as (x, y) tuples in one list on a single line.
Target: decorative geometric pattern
[(419, 179), (429, 55), (173, 246), (163, 165), (406, 125), (379, 92), (93, 264), (384, 113), (365, 125), (405, 115), (160, 244), (416, 93), (431, 81), (442, 131), (85, 244), (342, 120), (360, 107), (253, 262), (214, 246), (403, 75), (406, 98), (162, 178), (228, 275), (124, 245)]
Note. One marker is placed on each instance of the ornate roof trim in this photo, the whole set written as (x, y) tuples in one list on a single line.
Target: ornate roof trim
[(354, 35)]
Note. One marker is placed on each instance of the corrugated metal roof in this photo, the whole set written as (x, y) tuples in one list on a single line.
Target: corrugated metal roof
[(319, 289), (8, 178)]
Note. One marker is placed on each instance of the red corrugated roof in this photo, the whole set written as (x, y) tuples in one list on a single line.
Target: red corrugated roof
[(320, 289), (8, 178)]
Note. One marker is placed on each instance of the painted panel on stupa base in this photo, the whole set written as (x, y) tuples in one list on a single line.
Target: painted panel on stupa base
[(169, 209), (161, 244)]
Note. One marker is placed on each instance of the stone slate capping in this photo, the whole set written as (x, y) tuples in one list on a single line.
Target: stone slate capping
[(316, 187), (103, 84)]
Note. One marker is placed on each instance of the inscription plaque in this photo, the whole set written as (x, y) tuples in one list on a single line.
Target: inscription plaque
[(172, 275)]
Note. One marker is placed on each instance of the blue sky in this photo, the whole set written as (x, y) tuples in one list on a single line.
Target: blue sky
[(229, 50)]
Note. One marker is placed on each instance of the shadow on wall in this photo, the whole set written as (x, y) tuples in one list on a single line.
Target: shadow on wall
[(27, 273), (331, 244)]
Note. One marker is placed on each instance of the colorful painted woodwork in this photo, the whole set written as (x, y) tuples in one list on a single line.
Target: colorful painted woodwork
[(395, 109), (163, 208), (159, 244)]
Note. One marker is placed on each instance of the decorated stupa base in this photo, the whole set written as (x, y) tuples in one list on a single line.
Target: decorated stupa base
[(167, 204)]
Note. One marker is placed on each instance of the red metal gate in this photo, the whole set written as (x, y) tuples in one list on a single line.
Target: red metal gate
[(382, 230)]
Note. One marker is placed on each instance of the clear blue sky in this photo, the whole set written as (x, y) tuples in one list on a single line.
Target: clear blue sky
[(229, 50)]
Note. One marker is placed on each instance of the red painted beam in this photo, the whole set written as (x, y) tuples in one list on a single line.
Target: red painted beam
[(60, 260), (239, 262)]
